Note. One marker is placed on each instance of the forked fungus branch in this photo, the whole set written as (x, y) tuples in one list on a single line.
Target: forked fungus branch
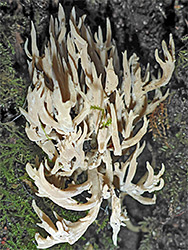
[(84, 94)]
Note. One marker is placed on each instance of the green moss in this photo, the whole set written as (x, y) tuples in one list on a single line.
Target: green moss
[(18, 220), (102, 225), (11, 86), (163, 224), (16, 212), (182, 59)]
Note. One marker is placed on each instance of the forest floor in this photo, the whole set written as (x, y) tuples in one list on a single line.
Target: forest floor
[(138, 27)]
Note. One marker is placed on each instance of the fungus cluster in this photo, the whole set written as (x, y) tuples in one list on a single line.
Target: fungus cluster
[(88, 107)]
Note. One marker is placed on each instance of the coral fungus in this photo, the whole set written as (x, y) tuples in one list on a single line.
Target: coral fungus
[(82, 95)]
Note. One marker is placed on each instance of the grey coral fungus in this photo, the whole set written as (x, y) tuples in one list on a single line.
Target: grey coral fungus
[(81, 95)]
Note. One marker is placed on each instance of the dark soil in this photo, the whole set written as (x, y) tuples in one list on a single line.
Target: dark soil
[(139, 27)]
